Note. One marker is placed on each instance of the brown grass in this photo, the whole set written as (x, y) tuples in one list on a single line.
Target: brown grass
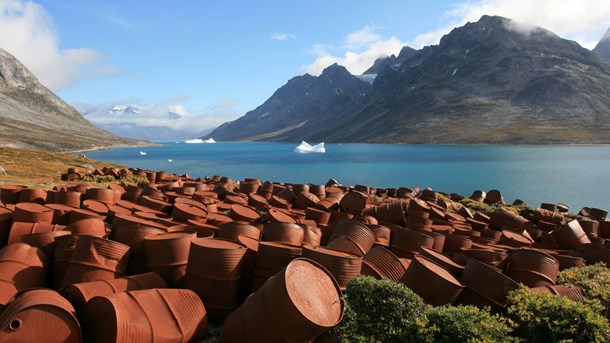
[(41, 169)]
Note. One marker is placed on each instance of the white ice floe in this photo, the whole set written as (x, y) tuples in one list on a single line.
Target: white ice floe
[(194, 141), (142, 153), (199, 141), (305, 147)]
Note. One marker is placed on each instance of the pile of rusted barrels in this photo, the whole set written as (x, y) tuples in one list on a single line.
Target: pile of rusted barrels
[(267, 261)]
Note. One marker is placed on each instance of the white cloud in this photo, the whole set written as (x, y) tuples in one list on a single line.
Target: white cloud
[(168, 112), (361, 38), (29, 34), (359, 51), (584, 21), (281, 36)]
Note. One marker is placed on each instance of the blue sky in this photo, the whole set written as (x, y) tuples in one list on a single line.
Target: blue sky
[(210, 62)]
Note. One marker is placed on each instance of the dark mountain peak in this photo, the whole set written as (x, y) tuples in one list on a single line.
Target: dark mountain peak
[(405, 53), (335, 71), (499, 31), (491, 81), (602, 49), (391, 61)]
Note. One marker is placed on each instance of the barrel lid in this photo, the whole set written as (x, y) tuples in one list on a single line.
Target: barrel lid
[(314, 292)]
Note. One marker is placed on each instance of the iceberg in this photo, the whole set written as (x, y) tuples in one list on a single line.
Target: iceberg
[(305, 147), (199, 141), (194, 141)]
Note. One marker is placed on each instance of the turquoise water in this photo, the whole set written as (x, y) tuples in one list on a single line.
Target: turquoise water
[(574, 175)]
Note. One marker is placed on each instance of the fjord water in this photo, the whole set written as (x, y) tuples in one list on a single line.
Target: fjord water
[(577, 176)]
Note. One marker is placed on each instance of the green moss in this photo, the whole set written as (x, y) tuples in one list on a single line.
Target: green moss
[(104, 180)]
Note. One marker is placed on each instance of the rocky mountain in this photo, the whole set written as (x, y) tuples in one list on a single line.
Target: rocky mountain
[(31, 116), (390, 61), (603, 46), (305, 104), (136, 121), (493, 81)]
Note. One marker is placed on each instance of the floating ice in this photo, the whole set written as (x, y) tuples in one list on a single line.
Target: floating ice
[(305, 147), (199, 141), (194, 141), (142, 153)]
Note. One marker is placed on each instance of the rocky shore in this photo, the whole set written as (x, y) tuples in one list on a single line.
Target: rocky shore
[(253, 260)]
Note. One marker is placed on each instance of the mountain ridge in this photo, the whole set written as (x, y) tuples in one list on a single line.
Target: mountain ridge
[(494, 81), (31, 116)]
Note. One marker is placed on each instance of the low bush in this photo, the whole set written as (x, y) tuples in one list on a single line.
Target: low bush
[(545, 317), (379, 311), (455, 324), (594, 279)]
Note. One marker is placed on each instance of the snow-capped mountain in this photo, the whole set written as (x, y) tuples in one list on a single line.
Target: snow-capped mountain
[(157, 122)]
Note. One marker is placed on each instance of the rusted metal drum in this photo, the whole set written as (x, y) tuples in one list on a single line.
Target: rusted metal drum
[(572, 292), (533, 268), (80, 293), (19, 229), (485, 286), (213, 272), (167, 254), (569, 236), (21, 267), (9, 194), (88, 227), (288, 233), (271, 258), (233, 229), (133, 236), (289, 307), (182, 212), (381, 262), (358, 232), (244, 213), (43, 240), (39, 315), (151, 315), (443, 260), (353, 202), (6, 221), (342, 266), (104, 195), (432, 282), (407, 242), (502, 217), (30, 212), (454, 243), (95, 259), (68, 198), (33, 195), (312, 235)]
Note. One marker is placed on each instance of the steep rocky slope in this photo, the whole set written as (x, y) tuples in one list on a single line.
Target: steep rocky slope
[(493, 81), (31, 116)]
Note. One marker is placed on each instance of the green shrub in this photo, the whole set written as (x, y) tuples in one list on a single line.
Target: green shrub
[(455, 324), (594, 279), (378, 311), (545, 317)]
